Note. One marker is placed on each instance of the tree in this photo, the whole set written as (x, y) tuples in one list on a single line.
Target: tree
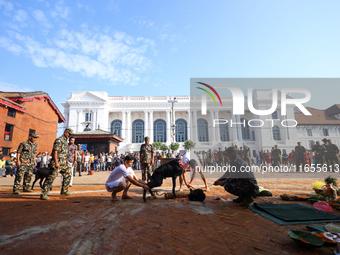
[(188, 145), (174, 146), (157, 145), (164, 147)]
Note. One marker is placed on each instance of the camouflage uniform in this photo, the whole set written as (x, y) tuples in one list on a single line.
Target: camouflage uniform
[(333, 151), (146, 152), (220, 157), (326, 156), (246, 156), (276, 157), (27, 152), (79, 160), (61, 147), (299, 157), (240, 184), (319, 154)]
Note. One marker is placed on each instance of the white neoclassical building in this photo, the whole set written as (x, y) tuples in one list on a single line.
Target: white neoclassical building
[(134, 117)]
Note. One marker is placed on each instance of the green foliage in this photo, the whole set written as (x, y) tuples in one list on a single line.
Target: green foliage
[(188, 145), (157, 145), (174, 146), (164, 147), (331, 180)]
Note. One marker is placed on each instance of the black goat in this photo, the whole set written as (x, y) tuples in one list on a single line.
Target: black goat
[(42, 173), (171, 169)]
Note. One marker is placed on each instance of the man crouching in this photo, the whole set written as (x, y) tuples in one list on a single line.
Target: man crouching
[(237, 181), (121, 178)]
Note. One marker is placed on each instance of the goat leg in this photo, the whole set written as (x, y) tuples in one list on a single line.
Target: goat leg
[(174, 186)]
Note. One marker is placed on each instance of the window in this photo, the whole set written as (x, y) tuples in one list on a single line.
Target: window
[(311, 144), (88, 116), (138, 131), (325, 131), (309, 132), (11, 112), (159, 129), (276, 133), (202, 130), (224, 132), (32, 131), (8, 132), (181, 130), (245, 129), (274, 115), (5, 151), (116, 127)]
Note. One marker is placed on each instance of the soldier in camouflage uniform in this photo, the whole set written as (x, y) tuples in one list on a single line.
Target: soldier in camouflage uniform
[(80, 159), (220, 156), (242, 184), (146, 158), (246, 154), (333, 151), (276, 153), (59, 164), (299, 156), (326, 155), (319, 152), (26, 162)]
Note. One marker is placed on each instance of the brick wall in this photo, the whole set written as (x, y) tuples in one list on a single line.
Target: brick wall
[(40, 117)]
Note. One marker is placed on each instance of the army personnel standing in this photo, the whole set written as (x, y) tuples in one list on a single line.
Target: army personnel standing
[(80, 159), (319, 152), (146, 158), (26, 162), (246, 154), (333, 151), (299, 156), (276, 153), (220, 156), (59, 164), (326, 155)]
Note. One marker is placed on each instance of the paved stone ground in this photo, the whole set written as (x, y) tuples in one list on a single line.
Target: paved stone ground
[(88, 222)]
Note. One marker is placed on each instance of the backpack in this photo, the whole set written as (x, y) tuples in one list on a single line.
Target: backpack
[(196, 195)]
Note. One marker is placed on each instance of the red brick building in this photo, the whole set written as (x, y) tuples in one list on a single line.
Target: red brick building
[(25, 112)]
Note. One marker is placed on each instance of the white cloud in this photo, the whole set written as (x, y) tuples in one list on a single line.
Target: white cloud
[(112, 5), (20, 16), (7, 87), (61, 11), (7, 7), (117, 58), (40, 16)]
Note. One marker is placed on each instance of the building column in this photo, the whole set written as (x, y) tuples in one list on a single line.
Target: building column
[(146, 124), (123, 132), (168, 128), (239, 128), (195, 127), (129, 129), (78, 121), (212, 129), (173, 131), (234, 129), (189, 126), (217, 128), (151, 126), (94, 120)]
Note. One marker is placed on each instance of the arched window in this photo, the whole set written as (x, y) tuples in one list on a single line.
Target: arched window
[(245, 129), (202, 130), (181, 130), (276, 133), (116, 127), (159, 129), (138, 131), (224, 131)]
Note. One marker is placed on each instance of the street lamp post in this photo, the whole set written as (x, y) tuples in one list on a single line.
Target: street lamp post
[(173, 125)]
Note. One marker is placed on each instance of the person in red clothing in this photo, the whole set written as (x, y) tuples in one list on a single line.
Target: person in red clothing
[(268, 158), (291, 158)]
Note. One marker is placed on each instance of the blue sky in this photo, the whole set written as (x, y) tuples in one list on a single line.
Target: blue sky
[(155, 47)]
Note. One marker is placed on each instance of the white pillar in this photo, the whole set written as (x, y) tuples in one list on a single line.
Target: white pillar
[(168, 128), (124, 126), (189, 125), (239, 128), (151, 126), (94, 120), (173, 131), (129, 128), (146, 124), (234, 128), (78, 122), (195, 127), (212, 130), (217, 128)]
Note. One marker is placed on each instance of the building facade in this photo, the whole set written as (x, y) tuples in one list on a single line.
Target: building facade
[(22, 113), (133, 118)]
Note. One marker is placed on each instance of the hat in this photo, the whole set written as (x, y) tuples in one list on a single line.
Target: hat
[(129, 157), (34, 135), (79, 145), (69, 130), (146, 138), (324, 140), (230, 150)]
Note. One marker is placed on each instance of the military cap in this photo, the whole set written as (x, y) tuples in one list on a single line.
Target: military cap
[(69, 130), (79, 145), (34, 135), (230, 150), (146, 138), (324, 140)]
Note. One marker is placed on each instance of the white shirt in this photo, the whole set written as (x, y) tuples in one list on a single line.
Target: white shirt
[(119, 173), (186, 158), (87, 158), (44, 159), (109, 158)]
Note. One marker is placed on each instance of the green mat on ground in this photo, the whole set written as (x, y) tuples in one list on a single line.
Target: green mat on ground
[(293, 214)]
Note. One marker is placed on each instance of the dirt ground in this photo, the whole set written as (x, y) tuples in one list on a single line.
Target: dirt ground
[(88, 222)]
